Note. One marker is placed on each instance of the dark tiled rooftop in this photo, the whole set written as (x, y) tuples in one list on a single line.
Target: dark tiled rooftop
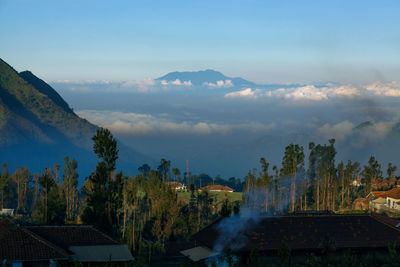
[(308, 232), (72, 235), (18, 243)]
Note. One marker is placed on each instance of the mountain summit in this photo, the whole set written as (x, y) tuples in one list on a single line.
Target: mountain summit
[(204, 77)]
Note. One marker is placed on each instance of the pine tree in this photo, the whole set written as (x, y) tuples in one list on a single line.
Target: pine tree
[(100, 209)]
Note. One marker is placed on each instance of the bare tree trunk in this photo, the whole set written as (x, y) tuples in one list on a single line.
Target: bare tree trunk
[(133, 227), (305, 201), (317, 194), (342, 205), (266, 198), (124, 223)]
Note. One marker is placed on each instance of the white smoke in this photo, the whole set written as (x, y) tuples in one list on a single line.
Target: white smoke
[(234, 230)]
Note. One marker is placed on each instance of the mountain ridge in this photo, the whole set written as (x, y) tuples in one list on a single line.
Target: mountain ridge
[(37, 126)]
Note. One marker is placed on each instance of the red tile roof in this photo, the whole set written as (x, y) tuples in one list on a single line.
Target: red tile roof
[(217, 187), (393, 193)]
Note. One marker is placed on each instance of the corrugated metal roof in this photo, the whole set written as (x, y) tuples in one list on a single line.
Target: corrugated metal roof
[(104, 253), (199, 253)]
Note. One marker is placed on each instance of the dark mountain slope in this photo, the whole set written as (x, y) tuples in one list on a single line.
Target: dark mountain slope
[(26, 101), (46, 89), (37, 127)]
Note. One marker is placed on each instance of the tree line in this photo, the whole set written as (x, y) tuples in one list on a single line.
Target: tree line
[(145, 212), (321, 185)]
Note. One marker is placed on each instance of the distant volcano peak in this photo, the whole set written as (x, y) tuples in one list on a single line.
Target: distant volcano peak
[(204, 78)]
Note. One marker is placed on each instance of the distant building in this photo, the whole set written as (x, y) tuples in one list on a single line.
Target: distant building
[(361, 204), (216, 188), (177, 186), (358, 182), (46, 245), (7, 212), (380, 201)]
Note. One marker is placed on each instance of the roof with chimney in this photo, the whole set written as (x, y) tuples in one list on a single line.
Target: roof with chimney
[(303, 232)]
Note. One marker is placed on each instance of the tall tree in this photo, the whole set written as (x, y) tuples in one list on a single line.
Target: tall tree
[(105, 147), (341, 175), (144, 169), (391, 169), (293, 166), (177, 174), (164, 169), (21, 178), (100, 208), (70, 187), (266, 182), (51, 206), (7, 189), (371, 172)]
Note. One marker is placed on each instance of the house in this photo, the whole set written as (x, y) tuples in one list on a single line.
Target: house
[(176, 186), (377, 203), (385, 200), (302, 234), (46, 245), (216, 188), (358, 182)]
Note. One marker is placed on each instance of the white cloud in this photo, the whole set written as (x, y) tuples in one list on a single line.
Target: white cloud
[(338, 131), (313, 93), (373, 133), (391, 89), (309, 92), (359, 137), (219, 84), (177, 82), (345, 91), (246, 93), (137, 124), (144, 85)]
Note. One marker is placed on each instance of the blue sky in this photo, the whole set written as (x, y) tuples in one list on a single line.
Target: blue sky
[(263, 41)]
